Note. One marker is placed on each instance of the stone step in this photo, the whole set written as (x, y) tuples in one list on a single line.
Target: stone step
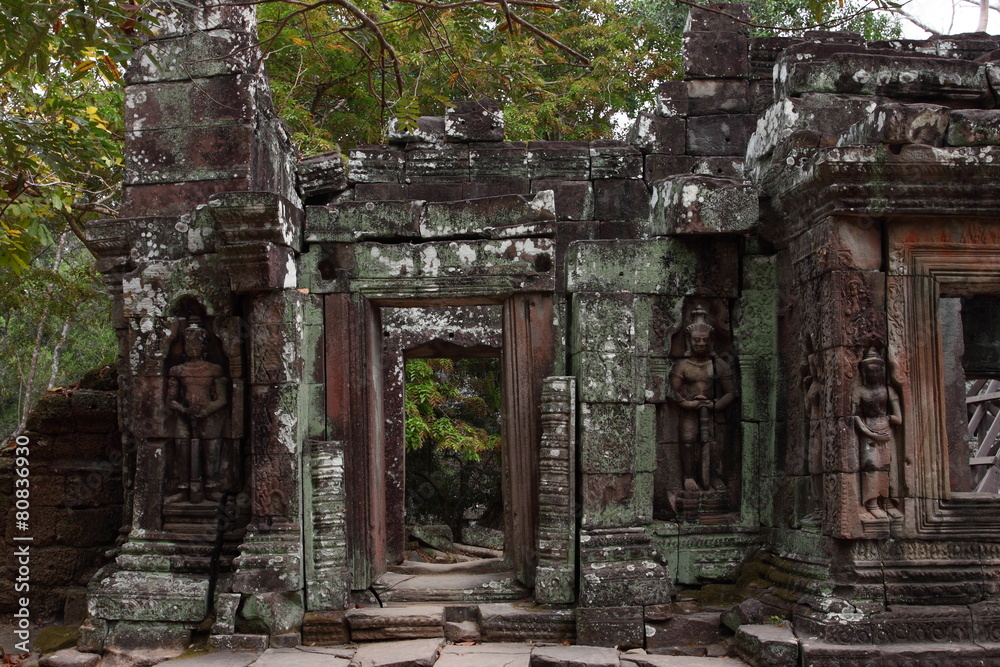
[(457, 587), (479, 566), (395, 622)]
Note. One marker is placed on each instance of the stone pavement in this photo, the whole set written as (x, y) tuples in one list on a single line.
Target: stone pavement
[(427, 652)]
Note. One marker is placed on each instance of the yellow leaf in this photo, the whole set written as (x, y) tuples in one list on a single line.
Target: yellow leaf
[(300, 42)]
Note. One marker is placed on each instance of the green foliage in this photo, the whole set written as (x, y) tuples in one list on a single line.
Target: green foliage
[(452, 410), (74, 291), (60, 116), (341, 88)]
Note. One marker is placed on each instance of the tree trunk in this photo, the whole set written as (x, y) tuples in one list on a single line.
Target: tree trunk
[(56, 353), (984, 15), (39, 335)]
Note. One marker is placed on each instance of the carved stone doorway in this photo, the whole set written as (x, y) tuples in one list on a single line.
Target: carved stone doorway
[(357, 415)]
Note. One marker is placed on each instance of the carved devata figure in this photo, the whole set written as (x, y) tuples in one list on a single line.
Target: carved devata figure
[(876, 408), (196, 393), (812, 386), (702, 386)]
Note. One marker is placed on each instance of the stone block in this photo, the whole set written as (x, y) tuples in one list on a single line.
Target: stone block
[(351, 221), (518, 623), (448, 163), (720, 167), (379, 192), (761, 96), (900, 124), (188, 154), (715, 54), (69, 657), (131, 636), (285, 640), (608, 437), (680, 631), (671, 99), (474, 120), (496, 186), (574, 656), (613, 627), (321, 175), (654, 134), (437, 191), (462, 631), (502, 159), (614, 159), (607, 377), (661, 266), (271, 613), (726, 134), (238, 642), (212, 101), (411, 653), (492, 217), (574, 200), (325, 628), (200, 55), (659, 167), (703, 205), (928, 79), (485, 655), (974, 127), (375, 164), (715, 96), (425, 130), (771, 645), (621, 199), (566, 160), (617, 500)]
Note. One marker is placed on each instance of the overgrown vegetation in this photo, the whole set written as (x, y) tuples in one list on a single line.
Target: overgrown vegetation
[(453, 457)]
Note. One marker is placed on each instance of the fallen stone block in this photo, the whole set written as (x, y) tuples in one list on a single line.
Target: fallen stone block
[(69, 657), (767, 645), (574, 656), (412, 653)]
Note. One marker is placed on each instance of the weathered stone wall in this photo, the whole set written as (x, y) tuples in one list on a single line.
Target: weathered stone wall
[(717, 306), (76, 500)]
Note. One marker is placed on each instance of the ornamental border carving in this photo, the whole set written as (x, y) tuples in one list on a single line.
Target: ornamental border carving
[(927, 261)]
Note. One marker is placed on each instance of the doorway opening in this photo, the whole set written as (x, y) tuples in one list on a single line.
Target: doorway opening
[(454, 510)]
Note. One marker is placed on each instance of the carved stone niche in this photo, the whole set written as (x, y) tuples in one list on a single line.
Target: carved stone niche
[(203, 411), (931, 264), (698, 458)]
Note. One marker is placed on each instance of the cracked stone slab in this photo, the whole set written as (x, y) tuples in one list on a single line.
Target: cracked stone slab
[(282, 657), (486, 655), (218, 659), (410, 653), (70, 657), (574, 656)]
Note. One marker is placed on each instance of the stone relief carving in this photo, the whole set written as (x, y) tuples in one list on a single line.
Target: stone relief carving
[(197, 392), (876, 408), (812, 386), (703, 387)]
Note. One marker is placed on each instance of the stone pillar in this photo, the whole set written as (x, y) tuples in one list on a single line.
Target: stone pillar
[(209, 176)]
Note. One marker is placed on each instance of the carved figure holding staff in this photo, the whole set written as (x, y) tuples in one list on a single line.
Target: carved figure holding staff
[(702, 386), (196, 391)]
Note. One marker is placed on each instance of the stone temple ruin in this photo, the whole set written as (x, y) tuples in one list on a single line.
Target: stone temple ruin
[(738, 351)]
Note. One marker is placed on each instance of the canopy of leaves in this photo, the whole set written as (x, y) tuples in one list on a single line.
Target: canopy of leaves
[(60, 116), (452, 412), (340, 88)]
